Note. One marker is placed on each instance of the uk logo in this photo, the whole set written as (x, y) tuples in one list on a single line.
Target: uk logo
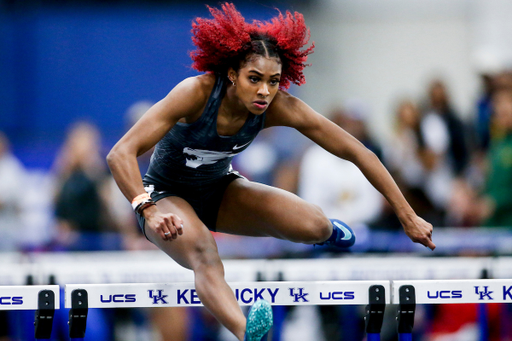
[(301, 295), (158, 297), (483, 293)]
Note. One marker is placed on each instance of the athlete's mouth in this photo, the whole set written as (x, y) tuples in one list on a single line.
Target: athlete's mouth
[(260, 104)]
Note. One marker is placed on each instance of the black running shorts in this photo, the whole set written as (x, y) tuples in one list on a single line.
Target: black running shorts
[(205, 198)]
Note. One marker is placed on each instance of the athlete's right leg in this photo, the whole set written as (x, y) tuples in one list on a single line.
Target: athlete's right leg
[(196, 249)]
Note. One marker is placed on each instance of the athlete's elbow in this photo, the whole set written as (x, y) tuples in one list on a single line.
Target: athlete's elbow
[(368, 155), (113, 157)]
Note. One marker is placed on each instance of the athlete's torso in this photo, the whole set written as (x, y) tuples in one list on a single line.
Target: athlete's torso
[(195, 152)]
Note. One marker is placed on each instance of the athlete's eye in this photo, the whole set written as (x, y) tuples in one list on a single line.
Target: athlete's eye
[(254, 79), (274, 82)]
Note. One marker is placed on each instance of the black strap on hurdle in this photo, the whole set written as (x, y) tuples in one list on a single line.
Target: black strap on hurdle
[(43, 322), (375, 309), (406, 309), (78, 313)]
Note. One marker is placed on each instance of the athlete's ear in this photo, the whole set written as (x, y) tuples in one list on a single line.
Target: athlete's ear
[(232, 75)]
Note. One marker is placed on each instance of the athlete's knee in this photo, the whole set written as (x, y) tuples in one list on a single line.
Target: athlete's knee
[(317, 227), (206, 258)]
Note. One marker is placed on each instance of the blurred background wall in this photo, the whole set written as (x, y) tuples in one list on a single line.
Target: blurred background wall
[(66, 60), (380, 51), (63, 61)]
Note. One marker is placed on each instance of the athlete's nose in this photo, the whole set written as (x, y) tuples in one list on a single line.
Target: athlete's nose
[(263, 90)]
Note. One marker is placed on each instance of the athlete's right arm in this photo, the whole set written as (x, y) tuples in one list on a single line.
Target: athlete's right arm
[(186, 100)]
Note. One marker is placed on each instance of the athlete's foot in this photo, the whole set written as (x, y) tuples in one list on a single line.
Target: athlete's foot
[(259, 321), (342, 235)]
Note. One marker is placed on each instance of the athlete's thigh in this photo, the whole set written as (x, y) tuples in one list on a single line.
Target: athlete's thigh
[(254, 209), (195, 246)]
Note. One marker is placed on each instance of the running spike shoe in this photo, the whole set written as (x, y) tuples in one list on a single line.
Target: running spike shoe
[(259, 321), (342, 235)]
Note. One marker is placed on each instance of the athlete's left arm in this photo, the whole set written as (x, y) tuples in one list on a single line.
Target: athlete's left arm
[(287, 110)]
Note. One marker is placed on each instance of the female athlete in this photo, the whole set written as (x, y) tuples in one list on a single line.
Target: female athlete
[(190, 187)]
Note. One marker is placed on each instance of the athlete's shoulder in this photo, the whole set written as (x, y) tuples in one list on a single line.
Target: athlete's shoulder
[(191, 94), (283, 99), (197, 86), (283, 108)]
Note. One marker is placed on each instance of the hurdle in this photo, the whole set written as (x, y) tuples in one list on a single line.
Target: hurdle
[(376, 295), (409, 293), (434, 280), (44, 299), (79, 298)]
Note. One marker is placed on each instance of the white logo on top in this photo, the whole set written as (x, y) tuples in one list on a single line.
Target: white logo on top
[(198, 157), (236, 147)]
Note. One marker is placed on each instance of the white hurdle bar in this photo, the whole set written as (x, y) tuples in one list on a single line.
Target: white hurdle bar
[(293, 293), (457, 291), (26, 297), (374, 294), (184, 294), (44, 299), (409, 293), (404, 293)]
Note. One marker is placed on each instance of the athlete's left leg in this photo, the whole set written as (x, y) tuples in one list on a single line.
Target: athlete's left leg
[(254, 209)]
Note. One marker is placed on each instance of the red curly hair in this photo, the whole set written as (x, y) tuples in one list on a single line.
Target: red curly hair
[(228, 41)]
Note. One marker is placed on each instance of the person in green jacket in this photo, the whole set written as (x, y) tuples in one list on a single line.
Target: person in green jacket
[(498, 190)]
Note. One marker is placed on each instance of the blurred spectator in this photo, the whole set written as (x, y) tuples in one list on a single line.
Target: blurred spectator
[(484, 110), (80, 209), (403, 154), (462, 210), (451, 138), (444, 152), (12, 174), (411, 162), (336, 185), (496, 206), (353, 119)]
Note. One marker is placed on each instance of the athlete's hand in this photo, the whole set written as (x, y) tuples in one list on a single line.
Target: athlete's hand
[(418, 230), (167, 225)]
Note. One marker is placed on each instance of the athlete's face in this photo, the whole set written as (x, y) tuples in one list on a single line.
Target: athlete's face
[(257, 82)]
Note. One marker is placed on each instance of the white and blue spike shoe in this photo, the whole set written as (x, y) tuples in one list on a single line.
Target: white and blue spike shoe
[(259, 321), (342, 235)]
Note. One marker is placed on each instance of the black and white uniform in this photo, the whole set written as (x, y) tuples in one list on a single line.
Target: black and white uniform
[(193, 162)]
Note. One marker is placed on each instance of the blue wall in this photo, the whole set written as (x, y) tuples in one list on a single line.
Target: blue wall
[(58, 66)]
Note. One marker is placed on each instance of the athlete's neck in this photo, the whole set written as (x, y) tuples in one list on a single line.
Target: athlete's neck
[(232, 107)]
